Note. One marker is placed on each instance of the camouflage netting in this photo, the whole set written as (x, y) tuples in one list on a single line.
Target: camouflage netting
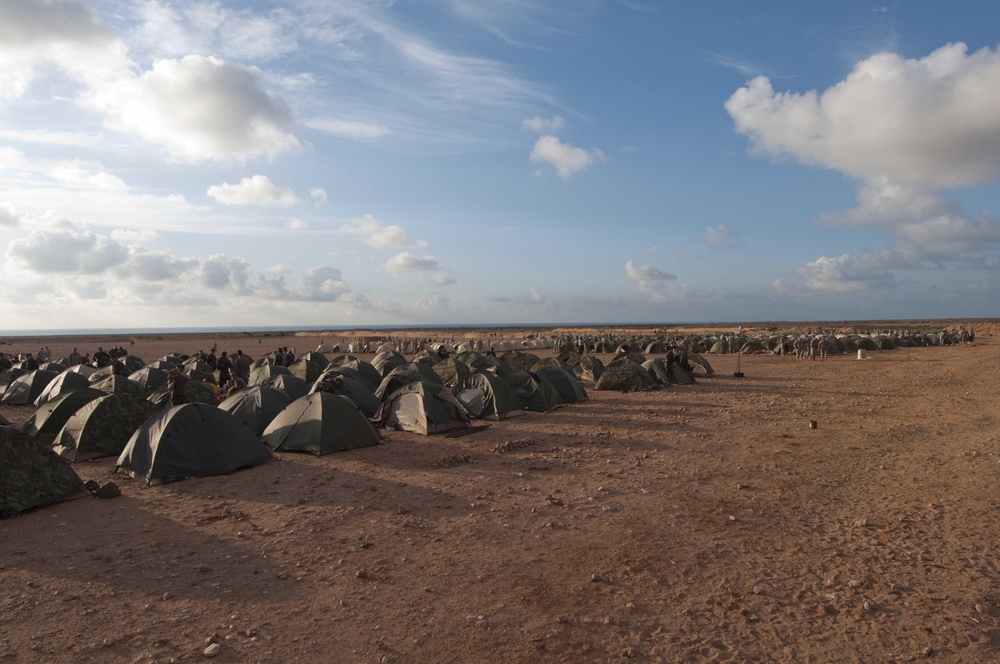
[(196, 393), (306, 370), (866, 343), (520, 361), (102, 427), (31, 475), (589, 368), (698, 360), (550, 362), (885, 343), (452, 373), (115, 384), (637, 358), (624, 375)]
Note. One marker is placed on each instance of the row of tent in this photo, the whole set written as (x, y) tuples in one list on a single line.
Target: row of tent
[(84, 414)]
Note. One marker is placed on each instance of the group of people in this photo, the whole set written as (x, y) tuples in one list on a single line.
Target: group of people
[(233, 370)]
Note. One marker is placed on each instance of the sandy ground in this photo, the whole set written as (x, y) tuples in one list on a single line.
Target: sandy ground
[(697, 523)]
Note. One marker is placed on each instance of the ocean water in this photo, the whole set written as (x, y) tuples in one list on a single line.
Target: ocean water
[(124, 331)]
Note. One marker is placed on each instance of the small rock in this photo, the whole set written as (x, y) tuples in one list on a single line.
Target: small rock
[(927, 651), (282, 575), (212, 650), (868, 605), (854, 583), (361, 574), (166, 596)]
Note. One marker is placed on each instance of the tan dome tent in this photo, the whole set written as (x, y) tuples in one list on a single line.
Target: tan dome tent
[(423, 407), (191, 440), (257, 406), (320, 423), (31, 475), (327, 348), (102, 427), (64, 382)]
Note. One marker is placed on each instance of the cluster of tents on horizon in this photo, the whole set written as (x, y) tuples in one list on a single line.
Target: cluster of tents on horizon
[(317, 405)]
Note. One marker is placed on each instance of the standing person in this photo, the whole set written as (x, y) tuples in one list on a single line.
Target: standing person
[(241, 366), (75, 358), (101, 358), (225, 366), (177, 382)]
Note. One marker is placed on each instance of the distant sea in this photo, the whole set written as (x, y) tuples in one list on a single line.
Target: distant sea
[(305, 328)]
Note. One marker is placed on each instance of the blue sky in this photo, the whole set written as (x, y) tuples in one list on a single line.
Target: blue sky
[(168, 164)]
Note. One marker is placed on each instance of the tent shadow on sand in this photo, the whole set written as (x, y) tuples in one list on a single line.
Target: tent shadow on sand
[(320, 483), (143, 554)]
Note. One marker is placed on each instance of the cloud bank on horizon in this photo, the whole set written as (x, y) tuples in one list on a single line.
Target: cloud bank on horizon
[(196, 162)]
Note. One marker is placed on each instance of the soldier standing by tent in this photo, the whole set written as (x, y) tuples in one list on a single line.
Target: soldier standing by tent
[(225, 366), (101, 358), (177, 382), (813, 347), (75, 358), (823, 347), (241, 366)]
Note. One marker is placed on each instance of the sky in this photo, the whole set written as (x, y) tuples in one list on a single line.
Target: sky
[(368, 162)]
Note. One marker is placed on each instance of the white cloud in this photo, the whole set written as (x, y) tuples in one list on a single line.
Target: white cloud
[(65, 33), (843, 274), (379, 235), (433, 304), (256, 190), (178, 29), (297, 224), (721, 238), (8, 215), (866, 125), (76, 262), (318, 195), (426, 268), (133, 235), (646, 273), (907, 129), (67, 252), (198, 109), (77, 175), (564, 157), (652, 250), (349, 128), (541, 125), (649, 280)]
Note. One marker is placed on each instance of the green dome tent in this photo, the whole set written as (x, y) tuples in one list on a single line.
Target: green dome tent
[(487, 397), (25, 389), (423, 407), (257, 406), (569, 388), (352, 387), (190, 440), (294, 386), (102, 427), (624, 375), (535, 393), (149, 378), (320, 423), (53, 414), (64, 382)]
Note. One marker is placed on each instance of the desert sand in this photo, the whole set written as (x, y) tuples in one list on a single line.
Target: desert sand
[(700, 523)]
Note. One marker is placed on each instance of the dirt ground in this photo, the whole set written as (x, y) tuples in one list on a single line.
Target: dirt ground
[(699, 523)]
